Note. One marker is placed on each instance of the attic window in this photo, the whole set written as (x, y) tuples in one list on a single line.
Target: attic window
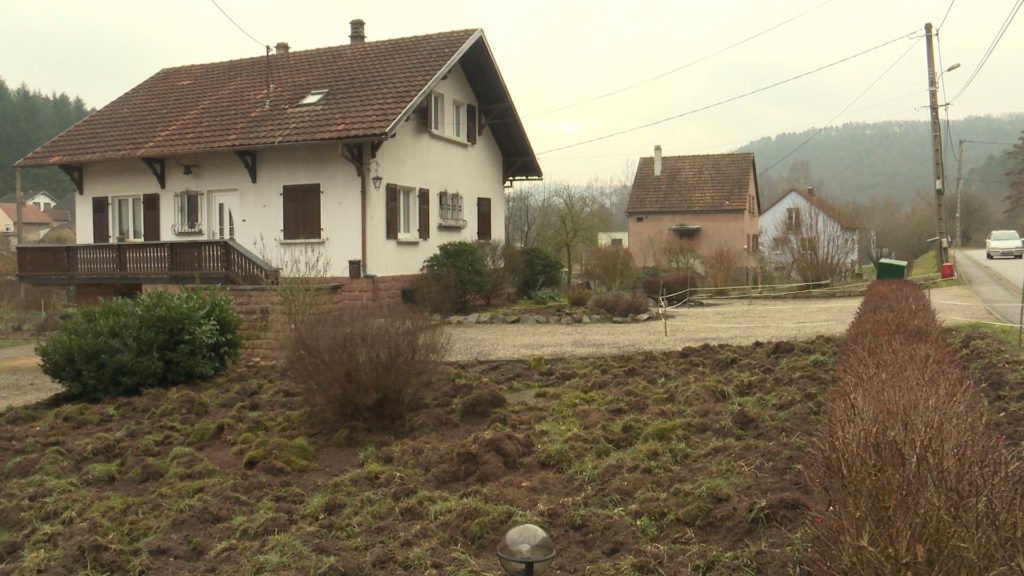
[(313, 97)]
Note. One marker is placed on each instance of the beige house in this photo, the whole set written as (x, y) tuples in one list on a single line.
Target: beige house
[(701, 203), (34, 221)]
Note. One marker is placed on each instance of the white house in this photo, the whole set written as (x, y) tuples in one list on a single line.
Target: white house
[(620, 239), (372, 153), (804, 223)]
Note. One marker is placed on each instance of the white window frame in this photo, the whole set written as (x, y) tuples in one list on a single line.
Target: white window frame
[(182, 226), (437, 103), (458, 120), (133, 206), (408, 216)]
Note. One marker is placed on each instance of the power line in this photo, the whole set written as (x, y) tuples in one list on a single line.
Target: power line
[(991, 48), (841, 112), (732, 99), (232, 20), (946, 15), (684, 66)]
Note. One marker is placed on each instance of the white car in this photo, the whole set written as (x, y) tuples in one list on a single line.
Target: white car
[(1003, 243)]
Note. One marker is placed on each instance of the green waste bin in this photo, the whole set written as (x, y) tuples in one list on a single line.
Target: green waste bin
[(889, 269)]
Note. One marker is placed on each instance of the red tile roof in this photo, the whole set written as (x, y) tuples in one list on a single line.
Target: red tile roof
[(370, 86), (707, 183), (29, 213)]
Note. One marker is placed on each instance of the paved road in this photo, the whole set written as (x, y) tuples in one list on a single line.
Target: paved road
[(997, 283)]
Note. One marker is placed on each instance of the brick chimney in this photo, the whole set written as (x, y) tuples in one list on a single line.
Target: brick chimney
[(357, 36), (281, 48), (657, 160)]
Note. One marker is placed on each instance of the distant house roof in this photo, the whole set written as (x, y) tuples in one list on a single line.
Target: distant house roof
[(706, 183), (826, 207), (369, 88), (29, 213)]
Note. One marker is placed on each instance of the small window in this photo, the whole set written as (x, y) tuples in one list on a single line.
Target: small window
[(312, 98), (188, 213), (450, 205), (617, 242), (793, 222), (639, 218), (458, 119), (406, 207), (437, 112)]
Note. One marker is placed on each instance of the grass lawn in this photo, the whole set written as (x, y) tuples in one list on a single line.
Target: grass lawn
[(8, 342)]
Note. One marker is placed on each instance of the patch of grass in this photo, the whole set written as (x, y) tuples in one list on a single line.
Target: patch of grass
[(9, 342)]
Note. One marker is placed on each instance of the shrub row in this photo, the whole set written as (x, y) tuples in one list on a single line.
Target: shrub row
[(909, 477), (157, 340)]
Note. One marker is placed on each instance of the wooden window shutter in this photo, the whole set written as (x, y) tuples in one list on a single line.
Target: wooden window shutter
[(100, 220), (301, 211), (483, 218), (471, 123), (424, 213), (391, 216), (151, 217)]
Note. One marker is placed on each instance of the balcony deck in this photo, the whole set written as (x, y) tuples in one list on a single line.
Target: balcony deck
[(192, 262)]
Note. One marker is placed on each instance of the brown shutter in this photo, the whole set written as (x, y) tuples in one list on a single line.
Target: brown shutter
[(100, 220), (424, 213), (301, 211), (471, 123), (483, 218), (391, 216), (151, 217)]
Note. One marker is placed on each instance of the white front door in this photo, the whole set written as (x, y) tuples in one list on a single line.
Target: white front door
[(223, 214)]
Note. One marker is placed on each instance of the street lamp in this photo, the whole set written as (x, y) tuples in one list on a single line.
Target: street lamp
[(526, 550)]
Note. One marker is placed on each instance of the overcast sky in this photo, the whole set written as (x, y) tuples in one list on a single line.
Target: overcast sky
[(560, 58)]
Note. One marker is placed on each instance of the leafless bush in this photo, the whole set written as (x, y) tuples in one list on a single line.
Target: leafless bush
[(611, 267), (577, 295), (721, 266), (358, 366), (909, 476), (618, 304)]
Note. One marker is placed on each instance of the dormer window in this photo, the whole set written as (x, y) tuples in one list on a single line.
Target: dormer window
[(313, 97)]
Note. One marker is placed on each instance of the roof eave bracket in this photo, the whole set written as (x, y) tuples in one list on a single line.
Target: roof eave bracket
[(159, 170), (248, 158), (74, 172)]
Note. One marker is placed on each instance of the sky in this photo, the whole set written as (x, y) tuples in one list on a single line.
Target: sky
[(699, 72)]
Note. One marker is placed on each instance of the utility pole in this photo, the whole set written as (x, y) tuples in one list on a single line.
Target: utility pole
[(941, 252), (959, 179)]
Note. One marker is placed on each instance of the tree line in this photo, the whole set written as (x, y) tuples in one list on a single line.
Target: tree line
[(28, 119)]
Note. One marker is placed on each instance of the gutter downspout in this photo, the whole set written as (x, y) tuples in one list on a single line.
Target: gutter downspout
[(364, 171), (20, 201)]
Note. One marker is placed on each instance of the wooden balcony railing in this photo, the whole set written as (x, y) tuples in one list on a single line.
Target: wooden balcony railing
[(201, 261)]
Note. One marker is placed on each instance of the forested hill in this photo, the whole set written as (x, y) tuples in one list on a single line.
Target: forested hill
[(858, 162), (29, 119)]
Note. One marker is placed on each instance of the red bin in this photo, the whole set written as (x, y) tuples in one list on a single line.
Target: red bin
[(947, 270)]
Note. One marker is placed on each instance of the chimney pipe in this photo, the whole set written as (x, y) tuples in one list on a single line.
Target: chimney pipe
[(281, 48), (810, 190), (357, 36), (657, 160)]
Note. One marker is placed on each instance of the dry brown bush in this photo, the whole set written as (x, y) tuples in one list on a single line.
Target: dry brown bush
[(365, 366), (910, 477), (577, 295)]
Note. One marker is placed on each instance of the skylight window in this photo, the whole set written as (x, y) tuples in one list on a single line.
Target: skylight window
[(313, 97)]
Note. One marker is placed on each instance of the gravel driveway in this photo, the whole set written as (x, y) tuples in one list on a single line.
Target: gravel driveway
[(735, 322)]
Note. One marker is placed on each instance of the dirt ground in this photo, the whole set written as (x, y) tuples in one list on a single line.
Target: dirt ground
[(718, 322)]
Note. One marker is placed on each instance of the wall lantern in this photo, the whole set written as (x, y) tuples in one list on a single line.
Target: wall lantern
[(526, 550), (376, 175)]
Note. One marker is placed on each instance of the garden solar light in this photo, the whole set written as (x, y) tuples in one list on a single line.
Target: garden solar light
[(526, 550)]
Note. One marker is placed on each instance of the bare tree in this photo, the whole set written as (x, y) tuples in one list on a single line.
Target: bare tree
[(576, 222), (721, 265), (813, 246), (527, 211)]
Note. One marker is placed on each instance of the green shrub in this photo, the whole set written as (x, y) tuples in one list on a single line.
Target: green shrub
[(540, 269), (463, 267), (159, 339), (546, 296), (367, 367), (618, 304)]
